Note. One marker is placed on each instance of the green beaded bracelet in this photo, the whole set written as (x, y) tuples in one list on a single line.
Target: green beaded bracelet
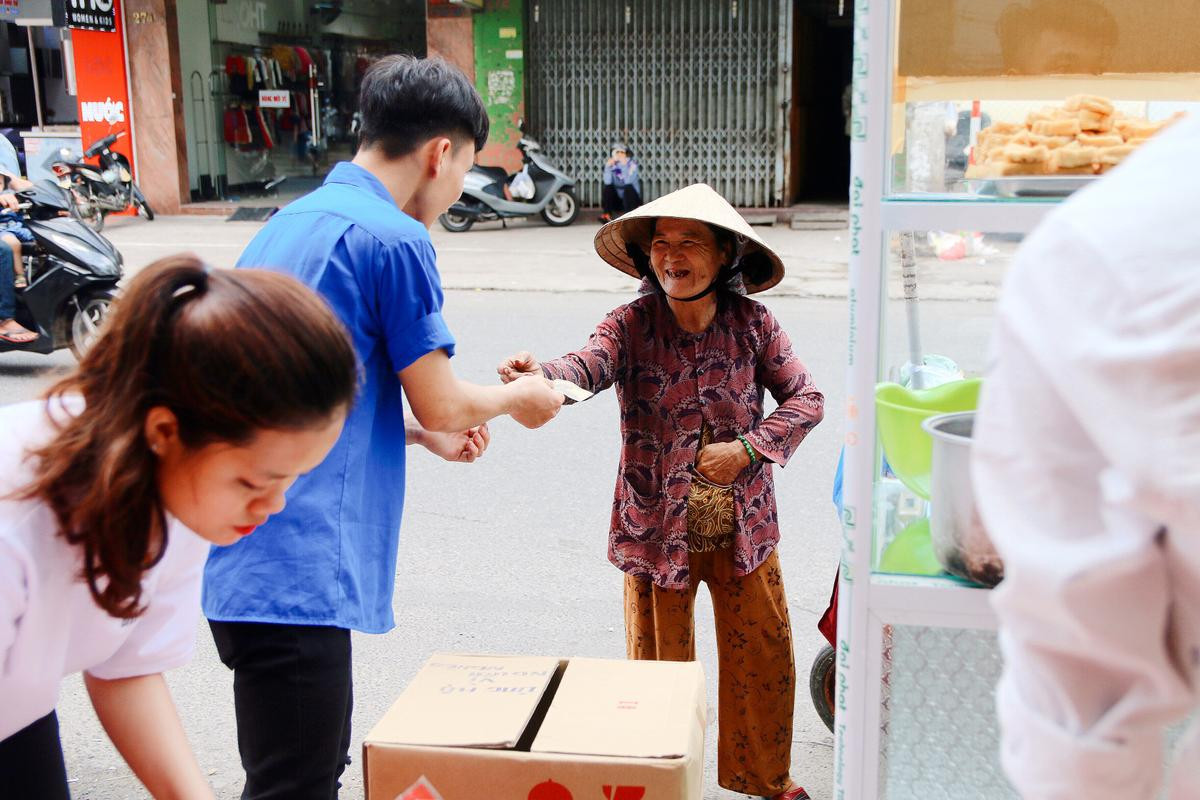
[(749, 449)]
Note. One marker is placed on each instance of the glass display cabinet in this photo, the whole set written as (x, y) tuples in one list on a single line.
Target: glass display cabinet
[(972, 120)]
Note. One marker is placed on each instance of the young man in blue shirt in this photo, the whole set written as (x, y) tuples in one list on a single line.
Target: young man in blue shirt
[(281, 604)]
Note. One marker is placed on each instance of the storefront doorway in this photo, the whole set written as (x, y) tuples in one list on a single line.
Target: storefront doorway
[(39, 110), (271, 94), (823, 43)]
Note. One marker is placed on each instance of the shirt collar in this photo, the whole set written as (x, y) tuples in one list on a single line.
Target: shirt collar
[(354, 175)]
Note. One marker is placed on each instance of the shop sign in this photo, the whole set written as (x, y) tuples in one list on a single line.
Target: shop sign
[(105, 110), (280, 98), (102, 81), (91, 15), (242, 21)]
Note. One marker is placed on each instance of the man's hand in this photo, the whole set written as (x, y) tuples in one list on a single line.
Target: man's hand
[(9, 201), (536, 401), (516, 366), (465, 447), (722, 462)]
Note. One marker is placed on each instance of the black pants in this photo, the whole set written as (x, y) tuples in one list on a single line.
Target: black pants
[(615, 204), (31, 762), (293, 696)]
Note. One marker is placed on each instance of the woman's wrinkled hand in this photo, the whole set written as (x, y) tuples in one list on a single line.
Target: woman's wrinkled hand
[(516, 366), (722, 462)]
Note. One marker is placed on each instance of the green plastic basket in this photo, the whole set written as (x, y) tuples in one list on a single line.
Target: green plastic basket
[(899, 413)]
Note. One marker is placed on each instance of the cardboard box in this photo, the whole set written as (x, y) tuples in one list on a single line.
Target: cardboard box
[(472, 727)]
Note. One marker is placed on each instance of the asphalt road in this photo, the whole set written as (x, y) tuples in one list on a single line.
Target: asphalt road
[(508, 555)]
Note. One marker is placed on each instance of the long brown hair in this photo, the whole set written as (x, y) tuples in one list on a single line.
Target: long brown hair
[(230, 353)]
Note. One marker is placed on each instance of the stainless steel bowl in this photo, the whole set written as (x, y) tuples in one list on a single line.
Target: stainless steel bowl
[(960, 542)]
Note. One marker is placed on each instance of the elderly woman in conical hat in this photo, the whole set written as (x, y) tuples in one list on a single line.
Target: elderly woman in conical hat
[(691, 360)]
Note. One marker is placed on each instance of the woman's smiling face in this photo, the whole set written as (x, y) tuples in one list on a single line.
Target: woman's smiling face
[(685, 256)]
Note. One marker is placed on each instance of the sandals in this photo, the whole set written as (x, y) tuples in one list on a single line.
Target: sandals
[(21, 336)]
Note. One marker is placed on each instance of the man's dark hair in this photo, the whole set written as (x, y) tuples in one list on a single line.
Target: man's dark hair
[(407, 101)]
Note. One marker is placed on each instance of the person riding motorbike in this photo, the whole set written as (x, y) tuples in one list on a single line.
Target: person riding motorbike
[(12, 271)]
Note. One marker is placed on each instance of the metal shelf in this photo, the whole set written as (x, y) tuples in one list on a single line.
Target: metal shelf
[(963, 213), (932, 602)]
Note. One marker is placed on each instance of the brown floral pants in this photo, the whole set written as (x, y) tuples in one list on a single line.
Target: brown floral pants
[(757, 671)]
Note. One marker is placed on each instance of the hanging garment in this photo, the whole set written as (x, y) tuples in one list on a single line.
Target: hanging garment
[(235, 68), (237, 127), (260, 73), (264, 133), (306, 60)]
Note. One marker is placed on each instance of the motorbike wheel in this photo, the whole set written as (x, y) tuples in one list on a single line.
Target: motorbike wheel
[(139, 201), (456, 223), (562, 209), (822, 679), (90, 212), (87, 319)]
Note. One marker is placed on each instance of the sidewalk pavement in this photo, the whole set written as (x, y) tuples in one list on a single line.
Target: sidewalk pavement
[(531, 256)]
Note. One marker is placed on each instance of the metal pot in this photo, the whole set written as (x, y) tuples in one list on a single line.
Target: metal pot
[(960, 542)]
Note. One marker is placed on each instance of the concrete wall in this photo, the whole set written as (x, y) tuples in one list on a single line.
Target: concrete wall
[(452, 36), (152, 34)]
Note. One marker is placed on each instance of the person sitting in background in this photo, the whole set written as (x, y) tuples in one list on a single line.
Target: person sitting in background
[(622, 191)]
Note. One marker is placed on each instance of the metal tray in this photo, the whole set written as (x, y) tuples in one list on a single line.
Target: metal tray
[(1031, 185)]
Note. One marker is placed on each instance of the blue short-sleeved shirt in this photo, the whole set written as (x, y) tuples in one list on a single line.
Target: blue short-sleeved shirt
[(329, 558)]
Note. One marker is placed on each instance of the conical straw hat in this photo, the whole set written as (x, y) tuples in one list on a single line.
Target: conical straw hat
[(699, 202)]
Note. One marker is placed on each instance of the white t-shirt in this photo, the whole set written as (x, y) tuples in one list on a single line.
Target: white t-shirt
[(49, 625), (1087, 471)]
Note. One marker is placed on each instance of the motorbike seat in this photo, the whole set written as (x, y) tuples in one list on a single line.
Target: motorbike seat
[(498, 174)]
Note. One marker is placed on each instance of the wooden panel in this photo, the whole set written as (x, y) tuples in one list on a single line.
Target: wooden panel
[(1048, 37)]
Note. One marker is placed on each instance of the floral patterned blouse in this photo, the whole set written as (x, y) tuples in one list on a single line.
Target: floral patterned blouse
[(669, 382)]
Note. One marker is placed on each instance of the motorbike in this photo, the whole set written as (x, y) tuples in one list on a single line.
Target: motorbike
[(490, 193), (72, 270), (99, 189)]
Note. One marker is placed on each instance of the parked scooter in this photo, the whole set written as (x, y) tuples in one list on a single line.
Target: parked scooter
[(491, 193), (72, 271), (103, 189)]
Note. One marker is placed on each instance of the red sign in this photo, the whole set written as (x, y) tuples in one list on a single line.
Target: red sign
[(421, 790), (102, 85)]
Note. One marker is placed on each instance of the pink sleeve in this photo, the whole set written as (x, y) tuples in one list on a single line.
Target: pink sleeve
[(801, 405), (597, 365)]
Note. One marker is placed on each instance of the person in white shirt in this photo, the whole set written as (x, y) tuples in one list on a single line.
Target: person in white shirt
[(1087, 471), (203, 400)]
